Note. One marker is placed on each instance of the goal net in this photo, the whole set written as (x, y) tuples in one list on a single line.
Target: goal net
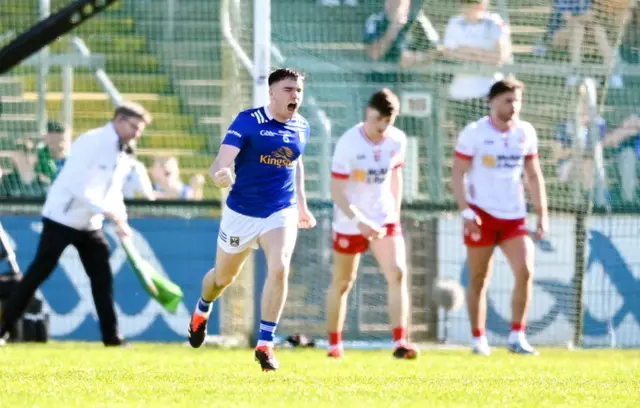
[(567, 54), (189, 62)]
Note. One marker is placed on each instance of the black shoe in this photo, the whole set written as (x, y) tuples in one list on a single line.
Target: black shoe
[(4, 336), (116, 342), (406, 351), (197, 330), (266, 358)]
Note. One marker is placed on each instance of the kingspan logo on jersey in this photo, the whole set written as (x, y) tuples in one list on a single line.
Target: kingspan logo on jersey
[(67, 293), (279, 158)]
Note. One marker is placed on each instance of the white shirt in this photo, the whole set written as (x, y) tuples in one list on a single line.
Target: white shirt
[(138, 181), (483, 35), (90, 181), (494, 182), (368, 167)]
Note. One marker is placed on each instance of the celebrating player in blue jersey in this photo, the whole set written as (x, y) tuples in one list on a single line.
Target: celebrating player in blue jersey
[(266, 204)]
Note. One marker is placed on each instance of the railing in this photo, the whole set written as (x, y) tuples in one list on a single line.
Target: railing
[(107, 85)]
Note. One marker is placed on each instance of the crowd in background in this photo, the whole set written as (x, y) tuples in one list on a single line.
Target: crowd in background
[(35, 164), (402, 33)]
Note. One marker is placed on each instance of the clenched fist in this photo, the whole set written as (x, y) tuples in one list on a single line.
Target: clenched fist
[(223, 178)]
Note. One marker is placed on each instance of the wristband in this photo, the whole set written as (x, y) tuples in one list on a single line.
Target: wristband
[(468, 214)]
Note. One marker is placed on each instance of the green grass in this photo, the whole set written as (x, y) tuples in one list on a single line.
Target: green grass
[(83, 375)]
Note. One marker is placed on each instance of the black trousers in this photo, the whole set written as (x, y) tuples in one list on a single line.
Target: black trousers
[(93, 249)]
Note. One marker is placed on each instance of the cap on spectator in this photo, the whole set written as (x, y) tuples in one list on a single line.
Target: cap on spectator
[(55, 127)]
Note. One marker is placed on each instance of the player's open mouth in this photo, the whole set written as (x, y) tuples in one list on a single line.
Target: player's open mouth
[(292, 106)]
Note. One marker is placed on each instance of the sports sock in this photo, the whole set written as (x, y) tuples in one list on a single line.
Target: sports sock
[(203, 308), (479, 337), (267, 330), (335, 340), (517, 333), (399, 336)]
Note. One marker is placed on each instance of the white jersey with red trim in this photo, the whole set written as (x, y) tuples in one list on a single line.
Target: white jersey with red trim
[(494, 182), (368, 167)]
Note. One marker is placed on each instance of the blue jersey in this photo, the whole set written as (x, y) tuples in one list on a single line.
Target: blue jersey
[(266, 164)]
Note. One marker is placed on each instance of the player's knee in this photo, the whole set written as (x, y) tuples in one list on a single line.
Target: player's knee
[(224, 279), (478, 284), (344, 285), (523, 275), (396, 275), (278, 269)]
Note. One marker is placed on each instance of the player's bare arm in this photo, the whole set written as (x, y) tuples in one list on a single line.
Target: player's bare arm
[(535, 181), (471, 219), (306, 219), (379, 48), (397, 183), (220, 171), (339, 197), (498, 56)]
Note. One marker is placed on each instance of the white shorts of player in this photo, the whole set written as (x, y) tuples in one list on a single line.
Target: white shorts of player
[(239, 232)]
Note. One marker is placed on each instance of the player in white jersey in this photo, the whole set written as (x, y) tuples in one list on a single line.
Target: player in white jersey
[(491, 157), (366, 188)]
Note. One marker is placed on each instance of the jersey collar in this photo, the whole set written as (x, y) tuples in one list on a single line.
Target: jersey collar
[(267, 112)]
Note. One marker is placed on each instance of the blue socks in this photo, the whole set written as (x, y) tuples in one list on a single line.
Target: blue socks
[(203, 307), (267, 330)]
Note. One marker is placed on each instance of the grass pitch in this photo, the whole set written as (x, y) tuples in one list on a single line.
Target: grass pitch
[(168, 376)]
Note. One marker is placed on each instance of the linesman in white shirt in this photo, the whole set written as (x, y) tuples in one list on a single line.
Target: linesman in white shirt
[(87, 190)]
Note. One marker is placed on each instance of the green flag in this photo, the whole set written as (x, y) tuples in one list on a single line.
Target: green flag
[(167, 293)]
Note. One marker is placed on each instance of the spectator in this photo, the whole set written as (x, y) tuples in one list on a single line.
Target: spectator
[(167, 184), (21, 180), (630, 45), (138, 184), (474, 36), (575, 161), (388, 38), (53, 152), (567, 26), (626, 139)]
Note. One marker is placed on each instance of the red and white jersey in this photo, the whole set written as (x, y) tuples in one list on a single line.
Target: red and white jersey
[(494, 182), (368, 168)]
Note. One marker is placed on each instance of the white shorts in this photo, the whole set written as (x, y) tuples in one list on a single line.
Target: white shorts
[(239, 232)]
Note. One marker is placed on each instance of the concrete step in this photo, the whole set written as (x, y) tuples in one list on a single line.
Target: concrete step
[(213, 126), (10, 86), (182, 30), (204, 106), (194, 69), (207, 11), (183, 50), (162, 104), (196, 88), (99, 42), (17, 105), (18, 123), (87, 82)]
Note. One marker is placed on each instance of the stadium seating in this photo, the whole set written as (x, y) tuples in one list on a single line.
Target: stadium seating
[(182, 79), (135, 66)]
